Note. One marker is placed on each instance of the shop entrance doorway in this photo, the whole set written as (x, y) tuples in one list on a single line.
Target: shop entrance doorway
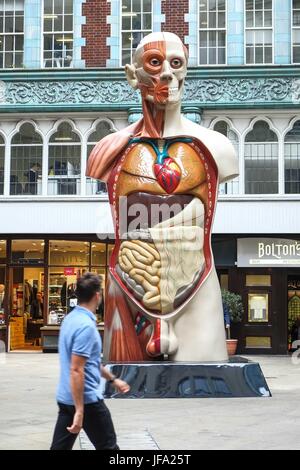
[(26, 308), (293, 311)]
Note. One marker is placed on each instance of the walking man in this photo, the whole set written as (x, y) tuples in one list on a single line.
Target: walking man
[(79, 398)]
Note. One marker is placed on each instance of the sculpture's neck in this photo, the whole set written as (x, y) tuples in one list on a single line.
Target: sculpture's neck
[(161, 121), (173, 121)]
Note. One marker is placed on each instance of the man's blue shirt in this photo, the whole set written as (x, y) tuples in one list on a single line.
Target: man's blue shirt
[(79, 335)]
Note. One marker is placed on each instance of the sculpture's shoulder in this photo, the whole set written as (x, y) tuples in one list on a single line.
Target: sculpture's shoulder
[(105, 152), (219, 146)]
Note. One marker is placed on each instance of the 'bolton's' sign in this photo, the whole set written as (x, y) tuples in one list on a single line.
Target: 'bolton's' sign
[(268, 252)]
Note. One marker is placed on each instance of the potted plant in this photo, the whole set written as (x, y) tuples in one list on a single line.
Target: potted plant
[(234, 305)]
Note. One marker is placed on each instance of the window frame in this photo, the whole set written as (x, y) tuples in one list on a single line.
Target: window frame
[(14, 34), (293, 29), (53, 33), (216, 30), (13, 145), (3, 146), (277, 142), (50, 144), (285, 143), (263, 28), (121, 31)]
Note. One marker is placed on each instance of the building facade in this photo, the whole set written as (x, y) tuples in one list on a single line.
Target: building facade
[(62, 88)]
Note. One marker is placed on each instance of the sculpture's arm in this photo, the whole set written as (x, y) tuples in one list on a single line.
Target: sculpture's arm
[(226, 159), (105, 152)]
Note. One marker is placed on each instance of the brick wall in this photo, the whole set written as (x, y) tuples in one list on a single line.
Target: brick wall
[(95, 31), (175, 11)]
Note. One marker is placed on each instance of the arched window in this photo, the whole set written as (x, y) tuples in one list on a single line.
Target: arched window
[(261, 160), (2, 158), (292, 160), (64, 161), (232, 187), (26, 161), (103, 128)]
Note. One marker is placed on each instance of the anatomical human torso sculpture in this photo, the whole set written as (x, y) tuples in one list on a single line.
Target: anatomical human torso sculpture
[(163, 296)]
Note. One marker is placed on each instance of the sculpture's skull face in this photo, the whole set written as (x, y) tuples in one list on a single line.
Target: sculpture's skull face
[(159, 69)]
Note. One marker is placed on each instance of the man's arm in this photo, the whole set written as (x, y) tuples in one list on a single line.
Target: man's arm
[(120, 385), (77, 388)]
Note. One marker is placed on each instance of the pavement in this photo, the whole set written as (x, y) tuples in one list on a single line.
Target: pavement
[(28, 412)]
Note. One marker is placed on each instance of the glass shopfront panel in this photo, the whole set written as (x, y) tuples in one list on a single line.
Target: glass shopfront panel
[(2, 251), (26, 308), (69, 253), (102, 273), (27, 252), (2, 295), (258, 307), (98, 254), (258, 280), (61, 295), (258, 342)]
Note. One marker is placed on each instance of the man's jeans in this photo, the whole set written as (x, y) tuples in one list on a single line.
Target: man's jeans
[(97, 424)]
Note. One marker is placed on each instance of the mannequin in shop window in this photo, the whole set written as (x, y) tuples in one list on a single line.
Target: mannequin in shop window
[(27, 295), (36, 308)]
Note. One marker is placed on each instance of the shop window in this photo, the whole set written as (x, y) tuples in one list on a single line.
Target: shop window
[(26, 162), (136, 23), (261, 160), (64, 162), (2, 294), (109, 252), (232, 187), (292, 160), (58, 33), (26, 308), (224, 281), (102, 273), (98, 254), (212, 32), (69, 253), (62, 287), (258, 308), (27, 252), (296, 31), (103, 128), (258, 280), (259, 31), (2, 251), (2, 161), (258, 342), (11, 33)]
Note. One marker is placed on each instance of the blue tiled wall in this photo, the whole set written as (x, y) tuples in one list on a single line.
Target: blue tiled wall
[(283, 34), (235, 32), (79, 20), (32, 33), (114, 41), (192, 39)]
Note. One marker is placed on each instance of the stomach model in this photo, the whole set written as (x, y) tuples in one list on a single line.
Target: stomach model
[(163, 195)]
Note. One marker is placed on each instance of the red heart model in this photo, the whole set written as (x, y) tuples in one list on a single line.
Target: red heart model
[(168, 174)]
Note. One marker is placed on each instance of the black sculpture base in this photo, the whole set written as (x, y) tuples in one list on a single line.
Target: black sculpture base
[(236, 378)]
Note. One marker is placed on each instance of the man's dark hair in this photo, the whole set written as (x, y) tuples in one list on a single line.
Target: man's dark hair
[(87, 286)]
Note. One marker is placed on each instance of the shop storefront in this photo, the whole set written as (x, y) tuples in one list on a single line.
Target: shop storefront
[(266, 273), (38, 279), (37, 286)]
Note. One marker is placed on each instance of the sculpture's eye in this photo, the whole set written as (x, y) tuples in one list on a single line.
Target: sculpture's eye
[(176, 63), (155, 62)]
